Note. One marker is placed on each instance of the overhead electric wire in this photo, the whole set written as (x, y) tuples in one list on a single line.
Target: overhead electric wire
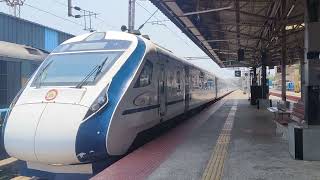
[(103, 21), (173, 32), (97, 24), (52, 14), (60, 3), (148, 19)]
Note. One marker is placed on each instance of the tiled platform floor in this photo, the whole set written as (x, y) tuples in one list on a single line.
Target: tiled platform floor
[(251, 149)]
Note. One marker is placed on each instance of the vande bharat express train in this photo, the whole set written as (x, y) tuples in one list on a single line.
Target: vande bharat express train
[(94, 93)]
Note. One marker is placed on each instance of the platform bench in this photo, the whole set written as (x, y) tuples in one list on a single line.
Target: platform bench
[(280, 112), (298, 112), (281, 123)]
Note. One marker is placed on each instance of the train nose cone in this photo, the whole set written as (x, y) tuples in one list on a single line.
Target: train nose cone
[(20, 130), (56, 133), (44, 133)]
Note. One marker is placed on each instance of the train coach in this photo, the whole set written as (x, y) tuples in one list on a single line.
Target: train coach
[(94, 93)]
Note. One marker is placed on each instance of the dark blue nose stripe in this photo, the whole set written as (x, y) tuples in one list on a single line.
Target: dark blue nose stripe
[(91, 137)]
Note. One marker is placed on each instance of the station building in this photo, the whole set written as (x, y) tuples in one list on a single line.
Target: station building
[(23, 46)]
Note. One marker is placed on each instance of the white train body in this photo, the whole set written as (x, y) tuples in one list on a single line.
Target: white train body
[(91, 97)]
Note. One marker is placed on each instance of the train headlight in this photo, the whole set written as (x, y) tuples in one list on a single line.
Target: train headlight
[(99, 103)]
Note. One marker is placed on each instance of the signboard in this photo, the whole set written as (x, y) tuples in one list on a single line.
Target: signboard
[(237, 73), (278, 69)]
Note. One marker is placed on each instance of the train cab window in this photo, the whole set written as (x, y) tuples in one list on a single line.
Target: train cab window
[(145, 77), (94, 45)]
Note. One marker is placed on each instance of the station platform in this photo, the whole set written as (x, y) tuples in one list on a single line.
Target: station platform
[(228, 140)]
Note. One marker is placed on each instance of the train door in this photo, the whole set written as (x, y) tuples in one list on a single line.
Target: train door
[(162, 90), (187, 88)]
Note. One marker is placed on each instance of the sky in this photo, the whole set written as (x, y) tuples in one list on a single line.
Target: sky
[(112, 14)]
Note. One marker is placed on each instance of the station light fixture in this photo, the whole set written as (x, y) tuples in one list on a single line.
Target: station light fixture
[(291, 9), (77, 8)]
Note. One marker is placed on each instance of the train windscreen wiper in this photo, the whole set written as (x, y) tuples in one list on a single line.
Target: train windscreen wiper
[(97, 69), (100, 68)]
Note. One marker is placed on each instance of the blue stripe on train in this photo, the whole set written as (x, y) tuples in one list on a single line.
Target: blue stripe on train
[(91, 137)]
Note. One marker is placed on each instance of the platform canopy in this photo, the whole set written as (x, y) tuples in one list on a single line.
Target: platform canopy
[(222, 27)]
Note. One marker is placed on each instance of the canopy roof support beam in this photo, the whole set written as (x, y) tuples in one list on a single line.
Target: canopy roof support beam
[(207, 11)]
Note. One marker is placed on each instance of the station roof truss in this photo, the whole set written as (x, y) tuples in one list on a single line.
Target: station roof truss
[(222, 27)]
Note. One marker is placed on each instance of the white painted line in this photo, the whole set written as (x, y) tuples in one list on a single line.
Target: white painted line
[(21, 178)]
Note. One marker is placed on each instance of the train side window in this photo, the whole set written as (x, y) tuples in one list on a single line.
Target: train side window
[(178, 81), (145, 76)]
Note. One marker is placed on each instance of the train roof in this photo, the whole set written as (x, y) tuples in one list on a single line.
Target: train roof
[(108, 35), (17, 51), (133, 37)]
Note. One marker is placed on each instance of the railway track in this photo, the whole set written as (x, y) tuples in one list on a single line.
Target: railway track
[(9, 168)]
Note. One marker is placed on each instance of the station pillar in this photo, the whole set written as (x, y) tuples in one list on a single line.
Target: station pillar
[(283, 79), (302, 80), (312, 63), (283, 57), (264, 86), (304, 138), (254, 89), (254, 78)]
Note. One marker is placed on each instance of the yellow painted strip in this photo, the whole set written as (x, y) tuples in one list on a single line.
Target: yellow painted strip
[(214, 169), (215, 158), (7, 161), (207, 173)]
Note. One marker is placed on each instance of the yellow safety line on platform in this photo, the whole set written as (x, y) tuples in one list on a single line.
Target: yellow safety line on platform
[(7, 161), (214, 169)]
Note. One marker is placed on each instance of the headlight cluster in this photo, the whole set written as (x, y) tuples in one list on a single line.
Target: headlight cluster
[(99, 103)]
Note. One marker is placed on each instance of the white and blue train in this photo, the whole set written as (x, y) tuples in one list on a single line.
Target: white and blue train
[(94, 93)]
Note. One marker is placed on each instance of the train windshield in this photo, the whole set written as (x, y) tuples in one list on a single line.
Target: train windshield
[(73, 68)]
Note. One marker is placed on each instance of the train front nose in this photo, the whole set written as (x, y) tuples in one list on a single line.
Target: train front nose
[(44, 133), (20, 129)]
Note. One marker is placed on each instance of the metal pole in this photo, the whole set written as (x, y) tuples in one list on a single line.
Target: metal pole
[(264, 74), (237, 6), (70, 8), (15, 10), (254, 79), (302, 78), (90, 21), (131, 17), (85, 20), (284, 55)]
